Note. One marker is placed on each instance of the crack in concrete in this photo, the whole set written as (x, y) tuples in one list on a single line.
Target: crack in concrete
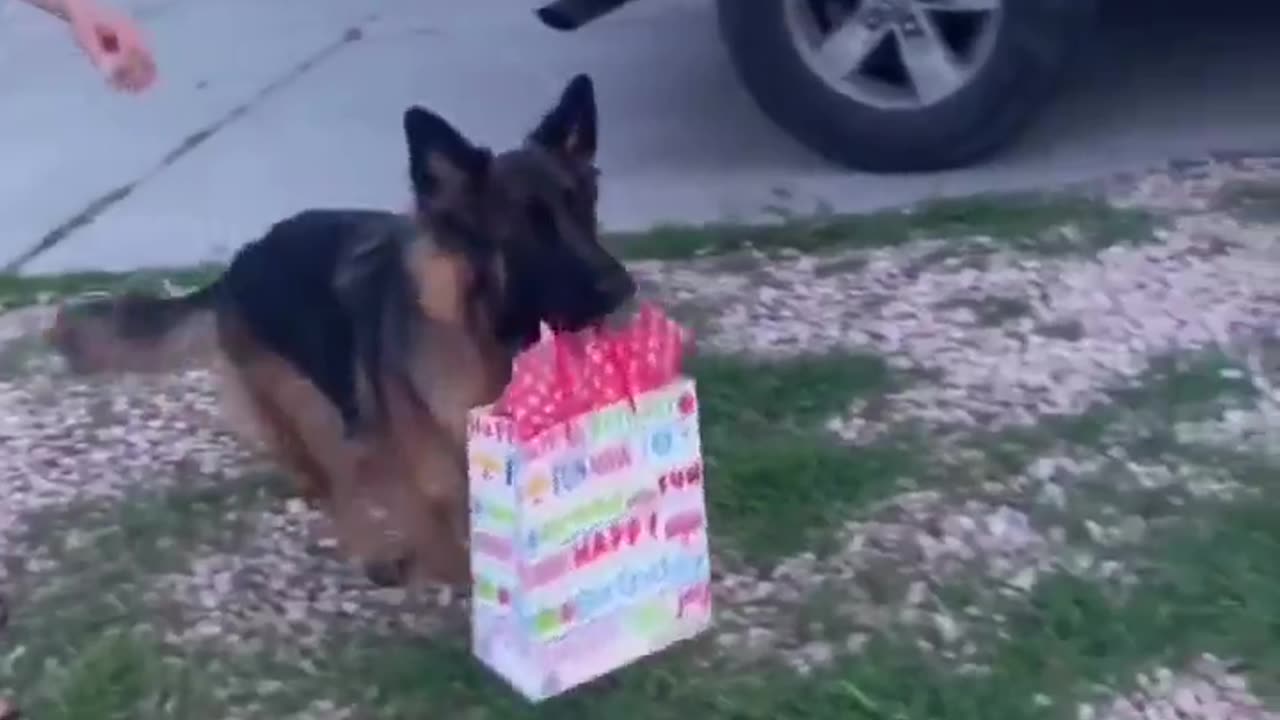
[(99, 205)]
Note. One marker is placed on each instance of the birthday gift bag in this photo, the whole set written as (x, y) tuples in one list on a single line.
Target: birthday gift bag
[(588, 520)]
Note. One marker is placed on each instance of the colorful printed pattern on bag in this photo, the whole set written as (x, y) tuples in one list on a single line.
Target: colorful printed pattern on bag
[(590, 550)]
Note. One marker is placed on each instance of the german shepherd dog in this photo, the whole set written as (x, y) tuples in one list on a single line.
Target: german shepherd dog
[(352, 343)]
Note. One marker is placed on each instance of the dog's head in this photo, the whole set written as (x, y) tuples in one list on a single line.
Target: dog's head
[(526, 218)]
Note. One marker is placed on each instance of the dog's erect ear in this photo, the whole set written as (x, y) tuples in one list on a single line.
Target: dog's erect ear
[(440, 158), (570, 128)]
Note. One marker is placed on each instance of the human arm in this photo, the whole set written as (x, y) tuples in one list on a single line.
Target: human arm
[(111, 39), (56, 8)]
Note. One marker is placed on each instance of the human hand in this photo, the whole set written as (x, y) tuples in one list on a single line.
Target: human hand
[(114, 43)]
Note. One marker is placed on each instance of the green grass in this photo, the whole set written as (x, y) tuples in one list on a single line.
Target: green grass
[(778, 482), (777, 485), (1183, 387), (1022, 221), (22, 290), (1257, 200), (1139, 415), (121, 675), (90, 642), (1208, 585)]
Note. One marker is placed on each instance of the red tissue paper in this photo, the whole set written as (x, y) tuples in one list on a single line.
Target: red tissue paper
[(564, 375)]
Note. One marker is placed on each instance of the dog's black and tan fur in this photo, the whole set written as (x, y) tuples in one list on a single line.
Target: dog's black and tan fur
[(358, 340)]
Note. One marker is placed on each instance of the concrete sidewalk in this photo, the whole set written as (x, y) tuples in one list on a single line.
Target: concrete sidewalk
[(270, 107)]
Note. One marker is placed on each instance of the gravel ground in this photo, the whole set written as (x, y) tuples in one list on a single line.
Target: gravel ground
[(996, 339), (1003, 536), (285, 585), (1004, 339), (65, 445), (1209, 689), (1070, 327)]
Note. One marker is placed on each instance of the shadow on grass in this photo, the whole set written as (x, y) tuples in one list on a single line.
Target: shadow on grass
[(777, 482)]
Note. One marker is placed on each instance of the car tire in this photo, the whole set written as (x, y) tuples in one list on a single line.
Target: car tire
[(1029, 50)]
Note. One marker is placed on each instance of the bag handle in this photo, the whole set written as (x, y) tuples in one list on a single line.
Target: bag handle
[(614, 356), (560, 346)]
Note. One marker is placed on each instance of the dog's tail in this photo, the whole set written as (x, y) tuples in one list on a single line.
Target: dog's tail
[(137, 333)]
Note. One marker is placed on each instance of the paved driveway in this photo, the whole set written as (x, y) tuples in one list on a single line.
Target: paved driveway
[(268, 107)]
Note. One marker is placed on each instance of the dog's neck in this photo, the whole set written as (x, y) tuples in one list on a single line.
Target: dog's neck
[(516, 314), (484, 294)]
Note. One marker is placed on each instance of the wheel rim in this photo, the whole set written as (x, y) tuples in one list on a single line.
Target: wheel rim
[(895, 54)]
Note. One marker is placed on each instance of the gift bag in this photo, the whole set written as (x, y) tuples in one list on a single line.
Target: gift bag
[(588, 520)]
